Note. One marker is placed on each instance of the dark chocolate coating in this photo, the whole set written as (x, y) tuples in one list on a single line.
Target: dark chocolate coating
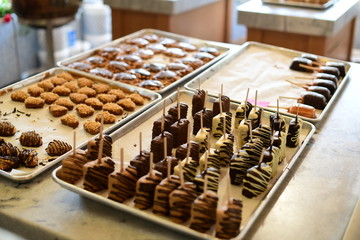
[(163, 165), (295, 64), (330, 70), (198, 101), (174, 110), (179, 132), (157, 146), (322, 90), (141, 162), (327, 77), (292, 137), (168, 121), (339, 65), (276, 122), (181, 151), (225, 105), (314, 99), (207, 120), (325, 83)]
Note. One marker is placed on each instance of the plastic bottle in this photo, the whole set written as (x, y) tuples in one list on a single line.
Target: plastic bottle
[(96, 22)]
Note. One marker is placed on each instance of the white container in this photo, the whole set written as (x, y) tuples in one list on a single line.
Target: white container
[(96, 18), (97, 40), (60, 38)]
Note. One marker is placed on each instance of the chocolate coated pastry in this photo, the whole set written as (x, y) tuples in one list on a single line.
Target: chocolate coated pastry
[(181, 151), (168, 121), (30, 139), (157, 145), (7, 129), (297, 63), (179, 132), (198, 101), (225, 105), (207, 120), (29, 158), (141, 162), (174, 110), (57, 148)]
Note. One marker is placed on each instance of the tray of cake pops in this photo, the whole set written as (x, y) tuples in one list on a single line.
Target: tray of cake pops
[(279, 74), (39, 115), (315, 4), (190, 163), (150, 59)]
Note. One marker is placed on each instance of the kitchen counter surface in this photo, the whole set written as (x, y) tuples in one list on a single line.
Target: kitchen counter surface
[(323, 22)]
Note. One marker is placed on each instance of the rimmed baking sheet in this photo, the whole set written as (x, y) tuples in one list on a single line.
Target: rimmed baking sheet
[(143, 123), (264, 68), (223, 48), (51, 128)]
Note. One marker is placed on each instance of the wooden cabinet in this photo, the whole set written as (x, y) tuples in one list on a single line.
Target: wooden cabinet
[(209, 22)]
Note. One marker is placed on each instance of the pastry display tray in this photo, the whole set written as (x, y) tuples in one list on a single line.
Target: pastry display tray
[(49, 127), (265, 68), (127, 137), (301, 4), (223, 48)]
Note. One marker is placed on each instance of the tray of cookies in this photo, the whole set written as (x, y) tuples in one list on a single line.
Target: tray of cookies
[(150, 58), (315, 4), (279, 74), (186, 164), (39, 115)]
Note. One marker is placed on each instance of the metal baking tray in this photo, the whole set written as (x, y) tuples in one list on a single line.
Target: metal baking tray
[(261, 67), (127, 137), (49, 127), (224, 49), (301, 4)]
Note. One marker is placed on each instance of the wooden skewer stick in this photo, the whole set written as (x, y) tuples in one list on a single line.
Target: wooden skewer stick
[(178, 103), (289, 97), (165, 147), (201, 121), (101, 143), (304, 78), (296, 84), (272, 106), (151, 163), (220, 103), (121, 159), (309, 67)]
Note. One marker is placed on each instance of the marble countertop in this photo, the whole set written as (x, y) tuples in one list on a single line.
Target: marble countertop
[(317, 201), (317, 22), (168, 7)]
